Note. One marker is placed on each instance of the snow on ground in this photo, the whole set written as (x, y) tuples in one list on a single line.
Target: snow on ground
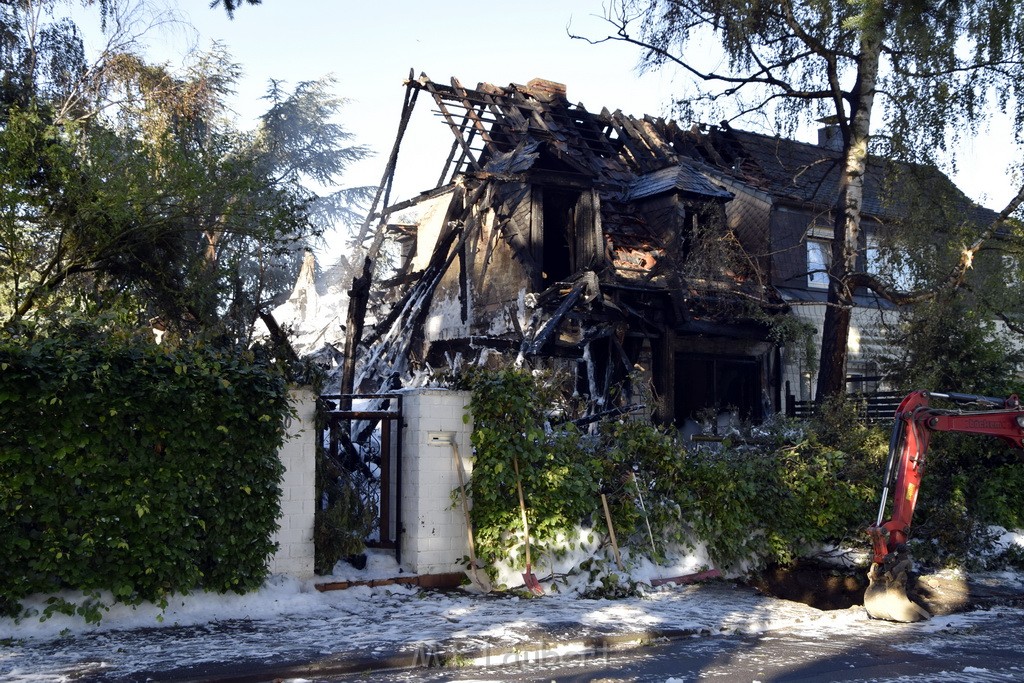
[(290, 621)]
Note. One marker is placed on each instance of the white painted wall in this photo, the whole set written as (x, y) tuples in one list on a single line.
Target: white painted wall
[(866, 345), (429, 227), (434, 538), (294, 535)]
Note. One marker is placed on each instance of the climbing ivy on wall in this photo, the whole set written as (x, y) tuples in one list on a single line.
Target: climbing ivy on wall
[(509, 414), (135, 468)]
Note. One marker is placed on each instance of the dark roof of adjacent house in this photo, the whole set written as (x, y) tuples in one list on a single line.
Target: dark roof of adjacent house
[(809, 174), (506, 129)]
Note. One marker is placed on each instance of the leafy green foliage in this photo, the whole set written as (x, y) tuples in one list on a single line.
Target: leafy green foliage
[(944, 345), (1001, 501), (135, 468), (774, 501), (770, 501), (127, 184), (767, 498), (559, 490)]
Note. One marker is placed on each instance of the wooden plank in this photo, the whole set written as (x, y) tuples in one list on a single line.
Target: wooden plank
[(589, 241), (627, 142), (456, 130), (536, 244), (474, 117), (589, 122), (552, 323), (451, 158), (649, 157)]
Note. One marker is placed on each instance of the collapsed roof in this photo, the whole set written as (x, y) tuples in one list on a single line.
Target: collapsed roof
[(628, 203)]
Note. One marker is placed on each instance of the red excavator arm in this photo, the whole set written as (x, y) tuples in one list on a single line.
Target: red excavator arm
[(915, 421)]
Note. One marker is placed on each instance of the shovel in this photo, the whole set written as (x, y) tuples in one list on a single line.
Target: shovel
[(611, 531), (529, 579), (479, 581)]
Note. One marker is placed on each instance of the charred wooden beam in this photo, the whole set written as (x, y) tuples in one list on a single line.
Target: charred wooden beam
[(456, 129), (545, 332), (278, 337), (461, 219), (358, 298), (451, 156), (617, 411), (474, 116), (361, 284)]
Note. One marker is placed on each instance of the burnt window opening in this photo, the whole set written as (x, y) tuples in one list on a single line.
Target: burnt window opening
[(566, 235), (558, 257), (717, 385)]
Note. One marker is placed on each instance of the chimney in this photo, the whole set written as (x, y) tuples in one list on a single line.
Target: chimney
[(831, 137), (546, 90)]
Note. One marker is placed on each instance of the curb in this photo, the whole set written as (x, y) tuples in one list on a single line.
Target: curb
[(430, 656)]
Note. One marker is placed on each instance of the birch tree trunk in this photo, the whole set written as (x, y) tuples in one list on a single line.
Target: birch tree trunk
[(836, 328)]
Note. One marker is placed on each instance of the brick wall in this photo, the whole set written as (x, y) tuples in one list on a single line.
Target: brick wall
[(434, 538), (298, 498)]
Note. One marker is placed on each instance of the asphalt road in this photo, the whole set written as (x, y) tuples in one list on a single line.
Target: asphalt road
[(989, 646)]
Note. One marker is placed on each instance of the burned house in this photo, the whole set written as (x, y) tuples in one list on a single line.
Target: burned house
[(784, 197), (587, 242)]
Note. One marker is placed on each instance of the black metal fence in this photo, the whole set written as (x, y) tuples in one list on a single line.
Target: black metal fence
[(362, 437), (878, 406), (871, 406)]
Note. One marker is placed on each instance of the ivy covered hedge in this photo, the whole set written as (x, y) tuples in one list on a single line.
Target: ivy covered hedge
[(135, 468), (769, 501)]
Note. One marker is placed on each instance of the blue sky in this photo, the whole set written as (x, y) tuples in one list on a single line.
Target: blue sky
[(370, 47)]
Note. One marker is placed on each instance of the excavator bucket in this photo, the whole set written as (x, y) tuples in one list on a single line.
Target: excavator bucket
[(886, 596)]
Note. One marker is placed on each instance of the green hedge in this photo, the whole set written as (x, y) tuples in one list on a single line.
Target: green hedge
[(135, 468), (767, 503)]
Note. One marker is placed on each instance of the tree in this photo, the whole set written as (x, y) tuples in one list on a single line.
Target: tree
[(231, 5), (144, 191), (903, 79), (949, 342)]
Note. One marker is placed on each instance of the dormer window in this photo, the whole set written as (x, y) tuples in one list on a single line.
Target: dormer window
[(567, 236), (819, 255)]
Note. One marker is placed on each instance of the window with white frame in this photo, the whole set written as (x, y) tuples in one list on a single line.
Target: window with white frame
[(892, 264), (819, 256), (872, 256), (1011, 269)]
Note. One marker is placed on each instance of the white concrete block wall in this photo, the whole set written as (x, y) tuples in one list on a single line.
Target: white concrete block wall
[(298, 491), (434, 538)]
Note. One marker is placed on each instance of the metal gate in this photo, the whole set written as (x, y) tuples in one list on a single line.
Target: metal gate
[(362, 435)]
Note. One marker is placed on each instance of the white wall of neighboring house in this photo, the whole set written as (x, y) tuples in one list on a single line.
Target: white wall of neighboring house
[(865, 347), (428, 228)]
